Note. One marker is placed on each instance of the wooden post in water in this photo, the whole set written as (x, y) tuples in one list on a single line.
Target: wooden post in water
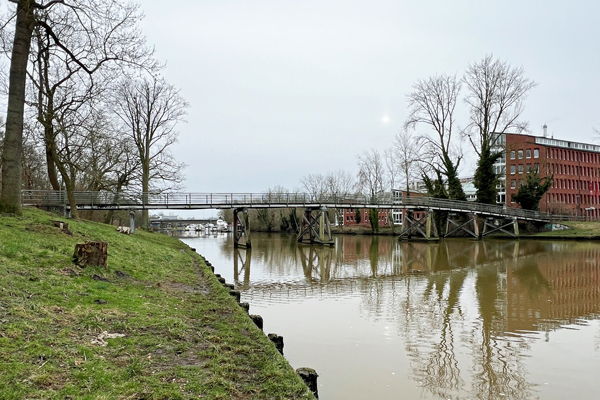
[(241, 226), (247, 229), (277, 341), (309, 376), (322, 224), (236, 222)]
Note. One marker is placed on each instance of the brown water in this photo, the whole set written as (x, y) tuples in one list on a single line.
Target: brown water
[(459, 319)]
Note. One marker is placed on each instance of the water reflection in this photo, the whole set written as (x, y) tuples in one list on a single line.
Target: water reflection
[(467, 312)]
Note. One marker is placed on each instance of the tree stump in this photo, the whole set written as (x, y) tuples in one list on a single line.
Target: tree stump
[(63, 226), (90, 253)]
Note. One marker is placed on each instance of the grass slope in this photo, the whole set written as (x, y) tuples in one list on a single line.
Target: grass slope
[(579, 230), (184, 336)]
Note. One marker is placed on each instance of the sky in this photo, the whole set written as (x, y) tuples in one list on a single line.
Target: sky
[(282, 89)]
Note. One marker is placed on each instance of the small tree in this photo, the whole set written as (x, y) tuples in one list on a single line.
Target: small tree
[(374, 219), (532, 191), (358, 215)]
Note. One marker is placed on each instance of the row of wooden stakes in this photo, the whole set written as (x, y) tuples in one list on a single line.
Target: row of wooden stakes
[(308, 375)]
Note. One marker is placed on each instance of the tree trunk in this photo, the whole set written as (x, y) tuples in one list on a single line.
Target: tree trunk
[(10, 201), (145, 189), (51, 165)]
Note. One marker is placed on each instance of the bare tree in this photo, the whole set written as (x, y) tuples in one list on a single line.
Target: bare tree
[(340, 184), (495, 94), (406, 154), (315, 185), (371, 174), (107, 28), (337, 184), (372, 181), (149, 110), (432, 103)]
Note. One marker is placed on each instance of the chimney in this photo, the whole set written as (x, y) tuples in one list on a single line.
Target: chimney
[(545, 128)]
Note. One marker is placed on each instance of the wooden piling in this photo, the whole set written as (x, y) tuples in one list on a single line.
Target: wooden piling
[(277, 341), (309, 376), (258, 320)]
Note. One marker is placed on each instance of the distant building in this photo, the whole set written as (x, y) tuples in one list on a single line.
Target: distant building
[(469, 188), (575, 167), (349, 218)]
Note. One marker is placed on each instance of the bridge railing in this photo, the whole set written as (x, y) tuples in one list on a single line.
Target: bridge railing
[(225, 200)]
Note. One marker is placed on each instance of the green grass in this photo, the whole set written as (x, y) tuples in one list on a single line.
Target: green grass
[(583, 230), (185, 337)]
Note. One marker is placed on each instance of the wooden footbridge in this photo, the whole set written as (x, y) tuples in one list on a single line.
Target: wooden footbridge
[(463, 217)]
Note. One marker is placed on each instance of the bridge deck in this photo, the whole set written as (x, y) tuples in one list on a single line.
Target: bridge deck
[(199, 201)]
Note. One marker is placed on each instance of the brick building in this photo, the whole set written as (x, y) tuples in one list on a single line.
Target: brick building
[(396, 215), (575, 166), (350, 217)]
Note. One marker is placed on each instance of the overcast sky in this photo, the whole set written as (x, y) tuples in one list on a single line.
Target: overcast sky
[(280, 89)]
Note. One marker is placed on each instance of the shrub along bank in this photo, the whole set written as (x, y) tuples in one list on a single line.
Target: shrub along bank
[(156, 324)]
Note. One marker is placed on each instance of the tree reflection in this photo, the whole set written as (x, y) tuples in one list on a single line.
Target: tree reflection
[(531, 278), (498, 371)]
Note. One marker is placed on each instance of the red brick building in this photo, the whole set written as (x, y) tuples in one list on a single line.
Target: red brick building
[(350, 217), (575, 166), (396, 215)]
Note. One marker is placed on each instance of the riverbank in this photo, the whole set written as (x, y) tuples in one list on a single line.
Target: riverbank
[(577, 231), (156, 324)]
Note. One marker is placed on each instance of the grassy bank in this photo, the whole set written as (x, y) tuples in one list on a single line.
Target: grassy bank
[(155, 325), (578, 230)]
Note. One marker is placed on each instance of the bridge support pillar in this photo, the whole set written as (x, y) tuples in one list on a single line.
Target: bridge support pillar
[(131, 222), (241, 228), (509, 226), (458, 223), (315, 227), (423, 228)]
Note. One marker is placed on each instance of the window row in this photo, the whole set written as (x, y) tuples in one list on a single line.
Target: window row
[(519, 153), (575, 184), (514, 168), (578, 170), (569, 198), (572, 155)]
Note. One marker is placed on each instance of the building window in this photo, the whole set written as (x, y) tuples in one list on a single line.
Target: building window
[(520, 168), (512, 155), (520, 154), (536, 153), (528, 168), (520, 182), (528, 153), (512, 169), (536, 167), (513, 184)]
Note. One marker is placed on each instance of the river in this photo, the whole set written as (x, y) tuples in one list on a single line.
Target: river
[(458, 319)]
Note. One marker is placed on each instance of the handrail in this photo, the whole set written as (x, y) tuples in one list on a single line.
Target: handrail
[(104, 199)]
